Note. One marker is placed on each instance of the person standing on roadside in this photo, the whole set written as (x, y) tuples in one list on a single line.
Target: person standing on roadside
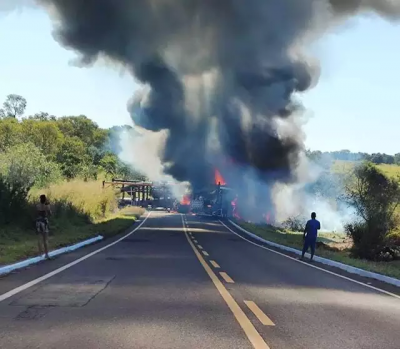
[(310, 235), (42, 225)]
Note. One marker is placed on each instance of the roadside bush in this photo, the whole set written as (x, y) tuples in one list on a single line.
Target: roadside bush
[(375, 198), (24, 165), (295, 223), (13, 201)]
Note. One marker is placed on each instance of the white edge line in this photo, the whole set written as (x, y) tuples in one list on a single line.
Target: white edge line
[(21, 288), (345, 267), (23, 264), (307, 264)]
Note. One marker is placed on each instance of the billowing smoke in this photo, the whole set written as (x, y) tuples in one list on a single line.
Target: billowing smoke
[(220, 77)]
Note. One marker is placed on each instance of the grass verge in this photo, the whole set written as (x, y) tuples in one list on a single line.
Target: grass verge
[(18, 243), (293, 239)]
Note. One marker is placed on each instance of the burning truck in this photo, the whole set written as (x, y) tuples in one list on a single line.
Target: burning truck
[(210, 200), (217, 199)]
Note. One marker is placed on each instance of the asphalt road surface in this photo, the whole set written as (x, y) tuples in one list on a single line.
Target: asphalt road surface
[(183, 281)]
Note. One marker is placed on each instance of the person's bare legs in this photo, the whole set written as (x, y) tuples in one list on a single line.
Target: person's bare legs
[(40, 243), (46, 244)]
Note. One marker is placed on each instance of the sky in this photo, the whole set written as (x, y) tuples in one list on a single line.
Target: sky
[(353, 106)]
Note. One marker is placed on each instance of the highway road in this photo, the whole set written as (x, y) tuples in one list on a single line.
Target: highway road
[(183, 281)]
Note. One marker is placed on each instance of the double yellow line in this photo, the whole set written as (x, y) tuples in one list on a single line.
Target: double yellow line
[(252, 334)]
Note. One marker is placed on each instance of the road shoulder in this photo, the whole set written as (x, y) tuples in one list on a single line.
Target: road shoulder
[(22, 276), (367, 282)]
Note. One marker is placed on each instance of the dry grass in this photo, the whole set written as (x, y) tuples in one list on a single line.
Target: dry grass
[(81, 210), (87, 198)]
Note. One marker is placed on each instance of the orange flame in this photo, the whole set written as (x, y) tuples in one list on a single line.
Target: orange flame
[(185, 200), (218, 178)]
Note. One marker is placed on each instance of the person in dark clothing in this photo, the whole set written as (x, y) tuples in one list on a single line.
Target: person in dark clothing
[(310, 235)]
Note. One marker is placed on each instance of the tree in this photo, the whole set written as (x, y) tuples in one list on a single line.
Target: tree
[(10, 133), (24, 166), (83, 128), (72, 156), (44, 134), (109, 163), (42, 116), (14, 106), (397, 159), (375, 198)]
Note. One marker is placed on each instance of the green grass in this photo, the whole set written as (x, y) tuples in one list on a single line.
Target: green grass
[(17, 244), (81, 210), (292, 239)]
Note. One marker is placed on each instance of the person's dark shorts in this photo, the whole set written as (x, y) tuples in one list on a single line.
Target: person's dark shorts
[(310, 242)]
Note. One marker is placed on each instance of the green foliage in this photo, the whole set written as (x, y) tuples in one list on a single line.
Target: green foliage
[(81, 210), (84, 129), (43, 134), (63, 158), (347, 155), (72, 156), (14, 106), (10, 133), (397, 159), (25, 166), (375, 197), (110, 164), (12, 201), (79, 147)]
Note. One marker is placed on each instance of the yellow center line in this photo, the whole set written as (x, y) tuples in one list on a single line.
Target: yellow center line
[(215, 264), (254, 337), (226, 277), (264, 319), (205, 253)]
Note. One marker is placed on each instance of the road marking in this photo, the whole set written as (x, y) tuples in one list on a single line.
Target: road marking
[(226, 277), (200, 247), (67, 266), (254, 337), (215, 264), (205, 253), (313, 266), (264, 319), (195, 240)]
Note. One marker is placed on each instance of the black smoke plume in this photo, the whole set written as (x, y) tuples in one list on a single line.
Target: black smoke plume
[(220, 76)]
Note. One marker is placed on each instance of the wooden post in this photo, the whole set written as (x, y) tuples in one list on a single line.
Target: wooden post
[(131, 196)]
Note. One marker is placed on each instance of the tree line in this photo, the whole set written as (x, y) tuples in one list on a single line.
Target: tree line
[(347, 155), (40, 148)]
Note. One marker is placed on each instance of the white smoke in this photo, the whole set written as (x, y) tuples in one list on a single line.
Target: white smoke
[(141, 151), (295, 201)]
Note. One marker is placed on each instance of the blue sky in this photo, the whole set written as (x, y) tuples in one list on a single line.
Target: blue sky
[(353, 107)]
